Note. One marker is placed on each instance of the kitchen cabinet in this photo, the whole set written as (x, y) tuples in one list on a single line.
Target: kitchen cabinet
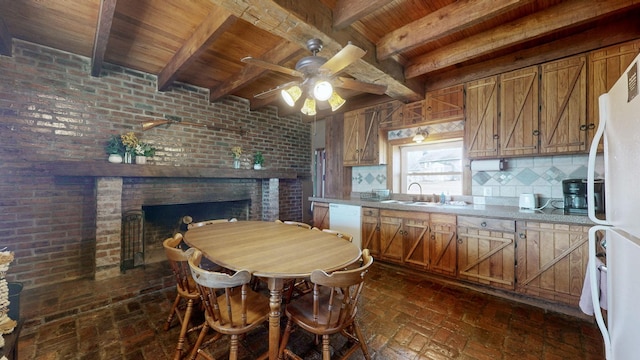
[(605, 67), (391, 235), (519, 112), (563, 108), (486, 251), (363, 145), (321, 215), (370, 230), (551, 259), (481, 118), (444, 104), (442, 244)]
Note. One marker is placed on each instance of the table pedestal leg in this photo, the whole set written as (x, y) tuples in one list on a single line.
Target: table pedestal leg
[(275, 300)]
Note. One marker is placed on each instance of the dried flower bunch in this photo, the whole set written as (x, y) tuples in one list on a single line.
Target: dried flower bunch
[(135, 146), (236, 151)]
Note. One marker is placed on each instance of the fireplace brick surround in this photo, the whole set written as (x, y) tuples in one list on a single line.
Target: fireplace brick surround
[(61, 202)]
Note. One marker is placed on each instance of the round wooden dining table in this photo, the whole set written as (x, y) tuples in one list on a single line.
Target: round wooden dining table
[(274, 251)]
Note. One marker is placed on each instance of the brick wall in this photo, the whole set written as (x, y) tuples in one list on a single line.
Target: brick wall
[(52, 109)]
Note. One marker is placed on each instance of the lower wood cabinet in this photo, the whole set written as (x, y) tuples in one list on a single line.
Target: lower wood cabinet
[(486, 251), (370, 230), (321, 215), (551, 260), (442, 244), (420, 240)]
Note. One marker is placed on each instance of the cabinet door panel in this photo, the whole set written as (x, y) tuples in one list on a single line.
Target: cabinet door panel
[(563, 114), (605, 67), (552, 259), (442, 244), (481, 118), (391, 238), (370, 231), (445, 104), (486, 257), (416, 235), (321, 215), (369, 145), (519, 112), (352, 124)]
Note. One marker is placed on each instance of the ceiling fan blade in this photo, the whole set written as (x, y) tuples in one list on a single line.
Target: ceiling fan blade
[(271, 66), (342, 59), (351, 84), (275, 90)]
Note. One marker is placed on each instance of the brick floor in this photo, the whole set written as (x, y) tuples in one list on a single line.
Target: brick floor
[(404, 315)]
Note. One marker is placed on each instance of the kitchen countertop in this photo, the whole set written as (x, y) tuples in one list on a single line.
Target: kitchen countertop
[(492, 211)]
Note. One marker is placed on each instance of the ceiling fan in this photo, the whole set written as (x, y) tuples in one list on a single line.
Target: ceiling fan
[(319, 77)]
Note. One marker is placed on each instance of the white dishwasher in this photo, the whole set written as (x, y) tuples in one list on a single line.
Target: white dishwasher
[(346, 218)]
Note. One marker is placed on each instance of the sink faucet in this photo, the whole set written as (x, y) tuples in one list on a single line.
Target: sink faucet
[(419, 187)]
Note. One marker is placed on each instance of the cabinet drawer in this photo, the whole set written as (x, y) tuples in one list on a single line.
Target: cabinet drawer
[(373, 212), (487, 223)]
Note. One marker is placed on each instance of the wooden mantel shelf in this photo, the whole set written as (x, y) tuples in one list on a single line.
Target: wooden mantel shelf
[(105, 169)]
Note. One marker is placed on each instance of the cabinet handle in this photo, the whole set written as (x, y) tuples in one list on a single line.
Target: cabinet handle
[(433, 237), (536, 132), (496, 137), (483, 224), (428, 108), (460, 241), (583, 127), (522, 236), (592, 126)]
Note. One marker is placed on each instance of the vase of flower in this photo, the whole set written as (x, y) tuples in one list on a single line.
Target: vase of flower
[(128, 158), (114, 148), (141, 159), (236, 152)]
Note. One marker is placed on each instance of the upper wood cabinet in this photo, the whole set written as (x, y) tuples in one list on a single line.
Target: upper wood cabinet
[(362, 142), (481, 124), (444, 105), (438, 106), (605, 67), (519, 112), (563, 108)]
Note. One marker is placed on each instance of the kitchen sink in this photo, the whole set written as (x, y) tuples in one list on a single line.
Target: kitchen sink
[(403, 202)]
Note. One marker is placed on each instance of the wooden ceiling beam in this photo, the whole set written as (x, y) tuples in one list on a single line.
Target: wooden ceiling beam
[(300, 20), (562, 16), (103, 30), (347, 12), (626, 29), (214, 25), (278, 55), (456, 17)]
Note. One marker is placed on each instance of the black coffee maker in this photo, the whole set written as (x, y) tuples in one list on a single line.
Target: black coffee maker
[(575, 196)]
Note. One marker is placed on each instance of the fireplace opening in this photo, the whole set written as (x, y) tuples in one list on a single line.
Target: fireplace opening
[(163, 221)]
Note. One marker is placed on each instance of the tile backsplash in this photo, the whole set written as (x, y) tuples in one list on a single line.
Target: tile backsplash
[(539, 175)]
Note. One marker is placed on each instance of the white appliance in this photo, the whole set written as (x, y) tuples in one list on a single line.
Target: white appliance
[(346, 218), (620, 128)]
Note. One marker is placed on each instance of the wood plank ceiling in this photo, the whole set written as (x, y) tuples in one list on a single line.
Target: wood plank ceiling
[(412, 46)]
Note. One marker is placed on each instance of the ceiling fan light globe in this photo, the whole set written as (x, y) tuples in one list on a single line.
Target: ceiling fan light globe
[(291, 95), (336, 101), (322, 90), (309, 107)]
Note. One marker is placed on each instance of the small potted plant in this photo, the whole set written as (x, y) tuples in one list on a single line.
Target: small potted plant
[(115, 149), (144, 150), (258, 160)]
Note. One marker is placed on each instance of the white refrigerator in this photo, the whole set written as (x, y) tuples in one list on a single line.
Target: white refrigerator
[(620, 129)]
